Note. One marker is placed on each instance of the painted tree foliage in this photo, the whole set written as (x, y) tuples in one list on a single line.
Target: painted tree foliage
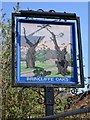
[(40, 55)]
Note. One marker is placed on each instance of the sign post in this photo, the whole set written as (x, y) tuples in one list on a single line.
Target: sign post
[(49, 100)]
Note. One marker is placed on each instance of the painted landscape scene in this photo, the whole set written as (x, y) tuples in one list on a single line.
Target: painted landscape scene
[(46, 50)]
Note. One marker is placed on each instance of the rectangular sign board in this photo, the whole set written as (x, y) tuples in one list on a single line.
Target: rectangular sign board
[(46, 52)]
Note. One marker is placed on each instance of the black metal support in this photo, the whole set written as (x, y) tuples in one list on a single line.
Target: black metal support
[(49, 100)]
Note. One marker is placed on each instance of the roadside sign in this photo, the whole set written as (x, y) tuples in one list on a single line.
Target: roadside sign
[(46, 49)]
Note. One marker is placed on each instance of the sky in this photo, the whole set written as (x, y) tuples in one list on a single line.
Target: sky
[(45, 0), (80, 8)]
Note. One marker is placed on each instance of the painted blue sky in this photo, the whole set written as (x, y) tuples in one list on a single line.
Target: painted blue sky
[(80, 8)]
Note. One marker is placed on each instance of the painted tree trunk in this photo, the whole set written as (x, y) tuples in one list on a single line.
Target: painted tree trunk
[(61, 62), (30, 57)]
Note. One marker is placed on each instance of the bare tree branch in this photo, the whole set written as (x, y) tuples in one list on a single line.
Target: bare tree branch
[(37, 41), (53, 38), (27, 40)]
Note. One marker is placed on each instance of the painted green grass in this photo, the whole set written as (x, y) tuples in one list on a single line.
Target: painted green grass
[(54, 74), (24, 69), (38, 64), (44, 66)]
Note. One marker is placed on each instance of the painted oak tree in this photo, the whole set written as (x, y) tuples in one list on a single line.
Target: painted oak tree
[(61, 62), (30, 56)]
